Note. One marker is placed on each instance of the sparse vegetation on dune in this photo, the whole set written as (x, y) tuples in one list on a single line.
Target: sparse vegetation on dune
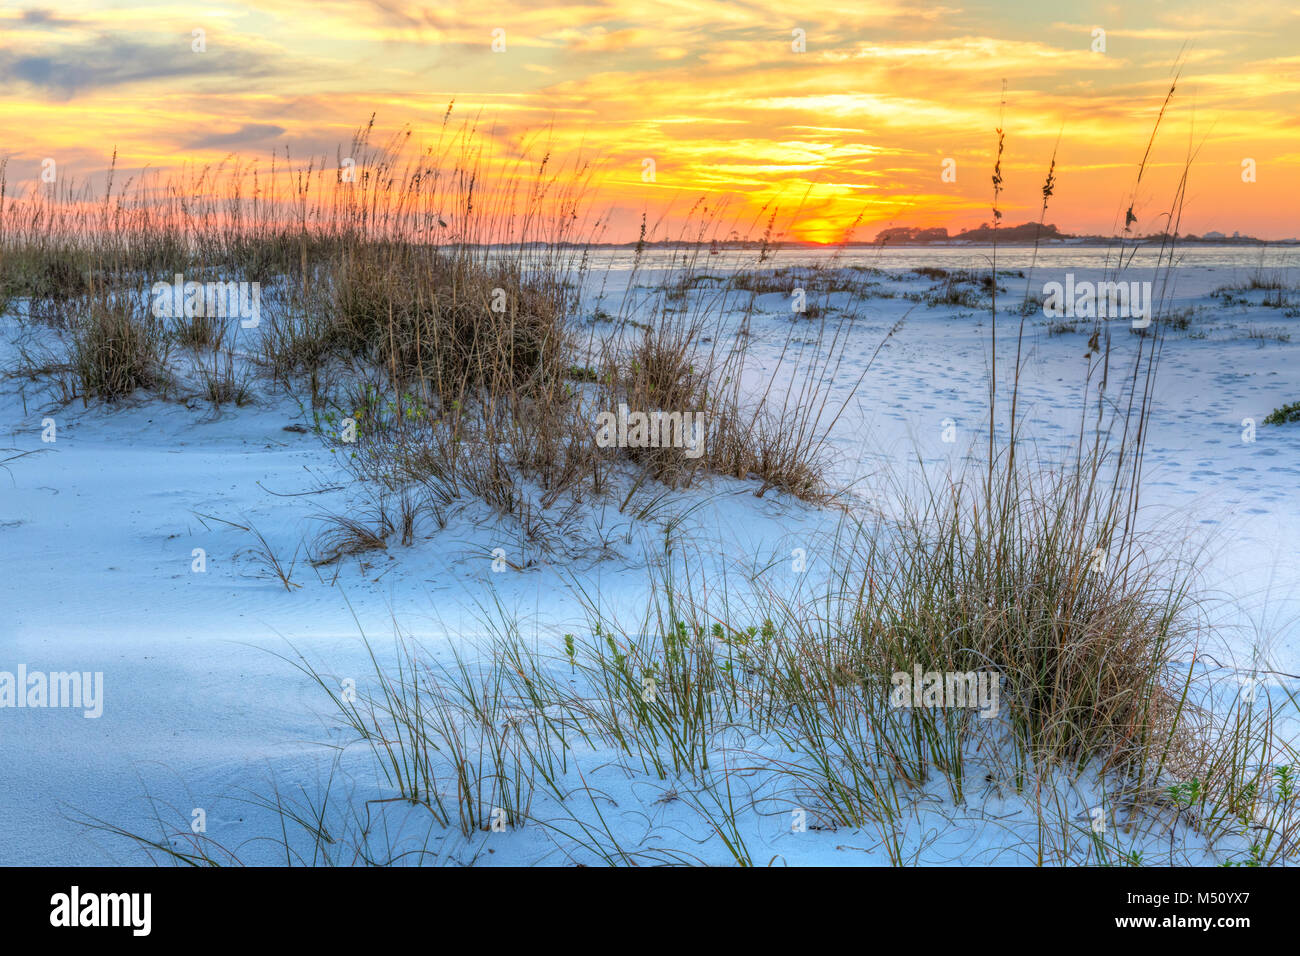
[(433, 336), (755, 707), (438, 317)]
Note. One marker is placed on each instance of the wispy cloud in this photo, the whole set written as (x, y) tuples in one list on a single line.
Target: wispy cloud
[(248, 135), (108, 62)]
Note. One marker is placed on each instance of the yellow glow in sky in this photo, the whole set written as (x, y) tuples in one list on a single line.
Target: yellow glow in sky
[(836, 111)]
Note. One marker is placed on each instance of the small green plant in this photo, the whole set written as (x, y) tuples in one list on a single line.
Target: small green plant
[(1256, 858), (1285, 414), (1184, 795), (1285, 782)]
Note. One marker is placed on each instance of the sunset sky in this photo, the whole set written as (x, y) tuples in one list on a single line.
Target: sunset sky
[(858, 124)]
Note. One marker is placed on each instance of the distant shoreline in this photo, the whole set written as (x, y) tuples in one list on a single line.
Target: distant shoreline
[(938, 243)]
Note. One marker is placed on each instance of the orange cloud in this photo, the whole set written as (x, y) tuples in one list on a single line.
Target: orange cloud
[(856, 126)]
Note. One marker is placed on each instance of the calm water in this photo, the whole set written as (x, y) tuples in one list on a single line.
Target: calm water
[(900, 258)]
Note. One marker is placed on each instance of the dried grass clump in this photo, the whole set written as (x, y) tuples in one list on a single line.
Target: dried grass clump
[(116, 350), (445, 319)]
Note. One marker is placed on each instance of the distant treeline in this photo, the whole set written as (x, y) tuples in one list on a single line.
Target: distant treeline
[(1033, 232), (1026, 232), (912, 235)]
